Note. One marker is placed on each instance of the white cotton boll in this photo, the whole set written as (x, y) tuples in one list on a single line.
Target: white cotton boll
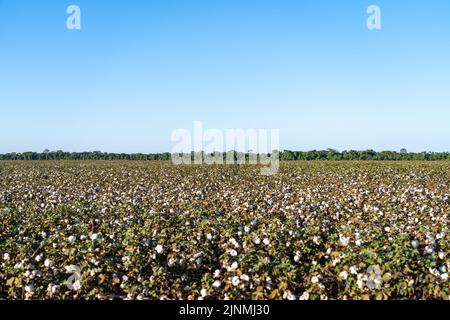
[(415, 244), (266, 241), (76, 285), (360, 283), (305, 296), (314, 279), (245, 277), (95, 236), (343, 275), (18, 266), (204, 293), (6, 256), (209, 236), (217, 284), (316, 240), (344, 241), (38, 258), (336, 261), (233, 253), (353, 270), (71, 239), (288, 295), (29, 288), (171, 262), (159, 249), (48, 263), (235, 281)]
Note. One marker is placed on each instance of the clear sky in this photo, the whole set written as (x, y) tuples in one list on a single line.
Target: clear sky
[(138, 70)]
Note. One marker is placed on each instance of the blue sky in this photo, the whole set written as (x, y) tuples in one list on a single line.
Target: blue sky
[(138, 70)]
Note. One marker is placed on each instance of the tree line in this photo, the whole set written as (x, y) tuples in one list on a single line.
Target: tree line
[(286, 155)]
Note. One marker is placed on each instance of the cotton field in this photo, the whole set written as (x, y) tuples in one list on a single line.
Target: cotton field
[(153, 230)]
